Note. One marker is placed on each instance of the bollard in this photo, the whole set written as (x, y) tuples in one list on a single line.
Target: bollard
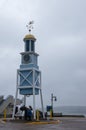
[(51, 115), (37, 115), (5, 113)]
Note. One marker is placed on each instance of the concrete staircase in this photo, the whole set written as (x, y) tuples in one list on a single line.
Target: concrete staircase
[(4, 103)]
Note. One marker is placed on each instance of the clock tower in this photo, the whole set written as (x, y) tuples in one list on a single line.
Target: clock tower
[(29, 75)]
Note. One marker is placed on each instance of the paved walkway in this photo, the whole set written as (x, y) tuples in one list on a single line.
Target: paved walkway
[(64, 124)]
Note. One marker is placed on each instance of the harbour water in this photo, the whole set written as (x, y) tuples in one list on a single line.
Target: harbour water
[(71, 110)]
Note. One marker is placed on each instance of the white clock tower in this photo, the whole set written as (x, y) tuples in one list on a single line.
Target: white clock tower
[(29, 75)]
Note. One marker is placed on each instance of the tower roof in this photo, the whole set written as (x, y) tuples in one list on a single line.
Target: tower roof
[(29, 36)]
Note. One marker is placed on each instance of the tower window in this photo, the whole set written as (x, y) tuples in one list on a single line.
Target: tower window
[(27, 45), (32, 45)]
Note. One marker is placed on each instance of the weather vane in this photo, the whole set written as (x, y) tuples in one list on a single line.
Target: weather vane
[(30, 26)]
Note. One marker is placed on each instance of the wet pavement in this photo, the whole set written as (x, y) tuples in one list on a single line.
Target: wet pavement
[(64, 124)]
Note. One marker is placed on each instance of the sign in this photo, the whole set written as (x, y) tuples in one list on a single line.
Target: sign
[(49, 108)]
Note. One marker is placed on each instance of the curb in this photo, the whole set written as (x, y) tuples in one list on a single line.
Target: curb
[(2, 121), (41, 122)]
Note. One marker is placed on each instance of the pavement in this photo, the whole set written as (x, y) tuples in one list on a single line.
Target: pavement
[(60, 123)]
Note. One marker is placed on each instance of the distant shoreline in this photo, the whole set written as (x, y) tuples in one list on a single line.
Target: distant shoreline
[(62, 115)]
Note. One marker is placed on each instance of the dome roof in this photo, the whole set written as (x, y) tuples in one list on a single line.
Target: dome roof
[(29, 36)]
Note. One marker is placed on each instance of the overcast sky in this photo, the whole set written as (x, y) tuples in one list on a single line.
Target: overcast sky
[(60, 29)]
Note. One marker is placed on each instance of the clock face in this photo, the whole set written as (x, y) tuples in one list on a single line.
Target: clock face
[(26, 58)]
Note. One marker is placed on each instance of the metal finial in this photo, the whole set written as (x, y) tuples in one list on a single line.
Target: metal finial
[(30, 26)]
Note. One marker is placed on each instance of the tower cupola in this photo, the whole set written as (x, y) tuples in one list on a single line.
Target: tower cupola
[(29, 43)]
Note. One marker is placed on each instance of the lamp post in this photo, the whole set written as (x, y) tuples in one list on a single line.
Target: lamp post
[(53, 98)]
